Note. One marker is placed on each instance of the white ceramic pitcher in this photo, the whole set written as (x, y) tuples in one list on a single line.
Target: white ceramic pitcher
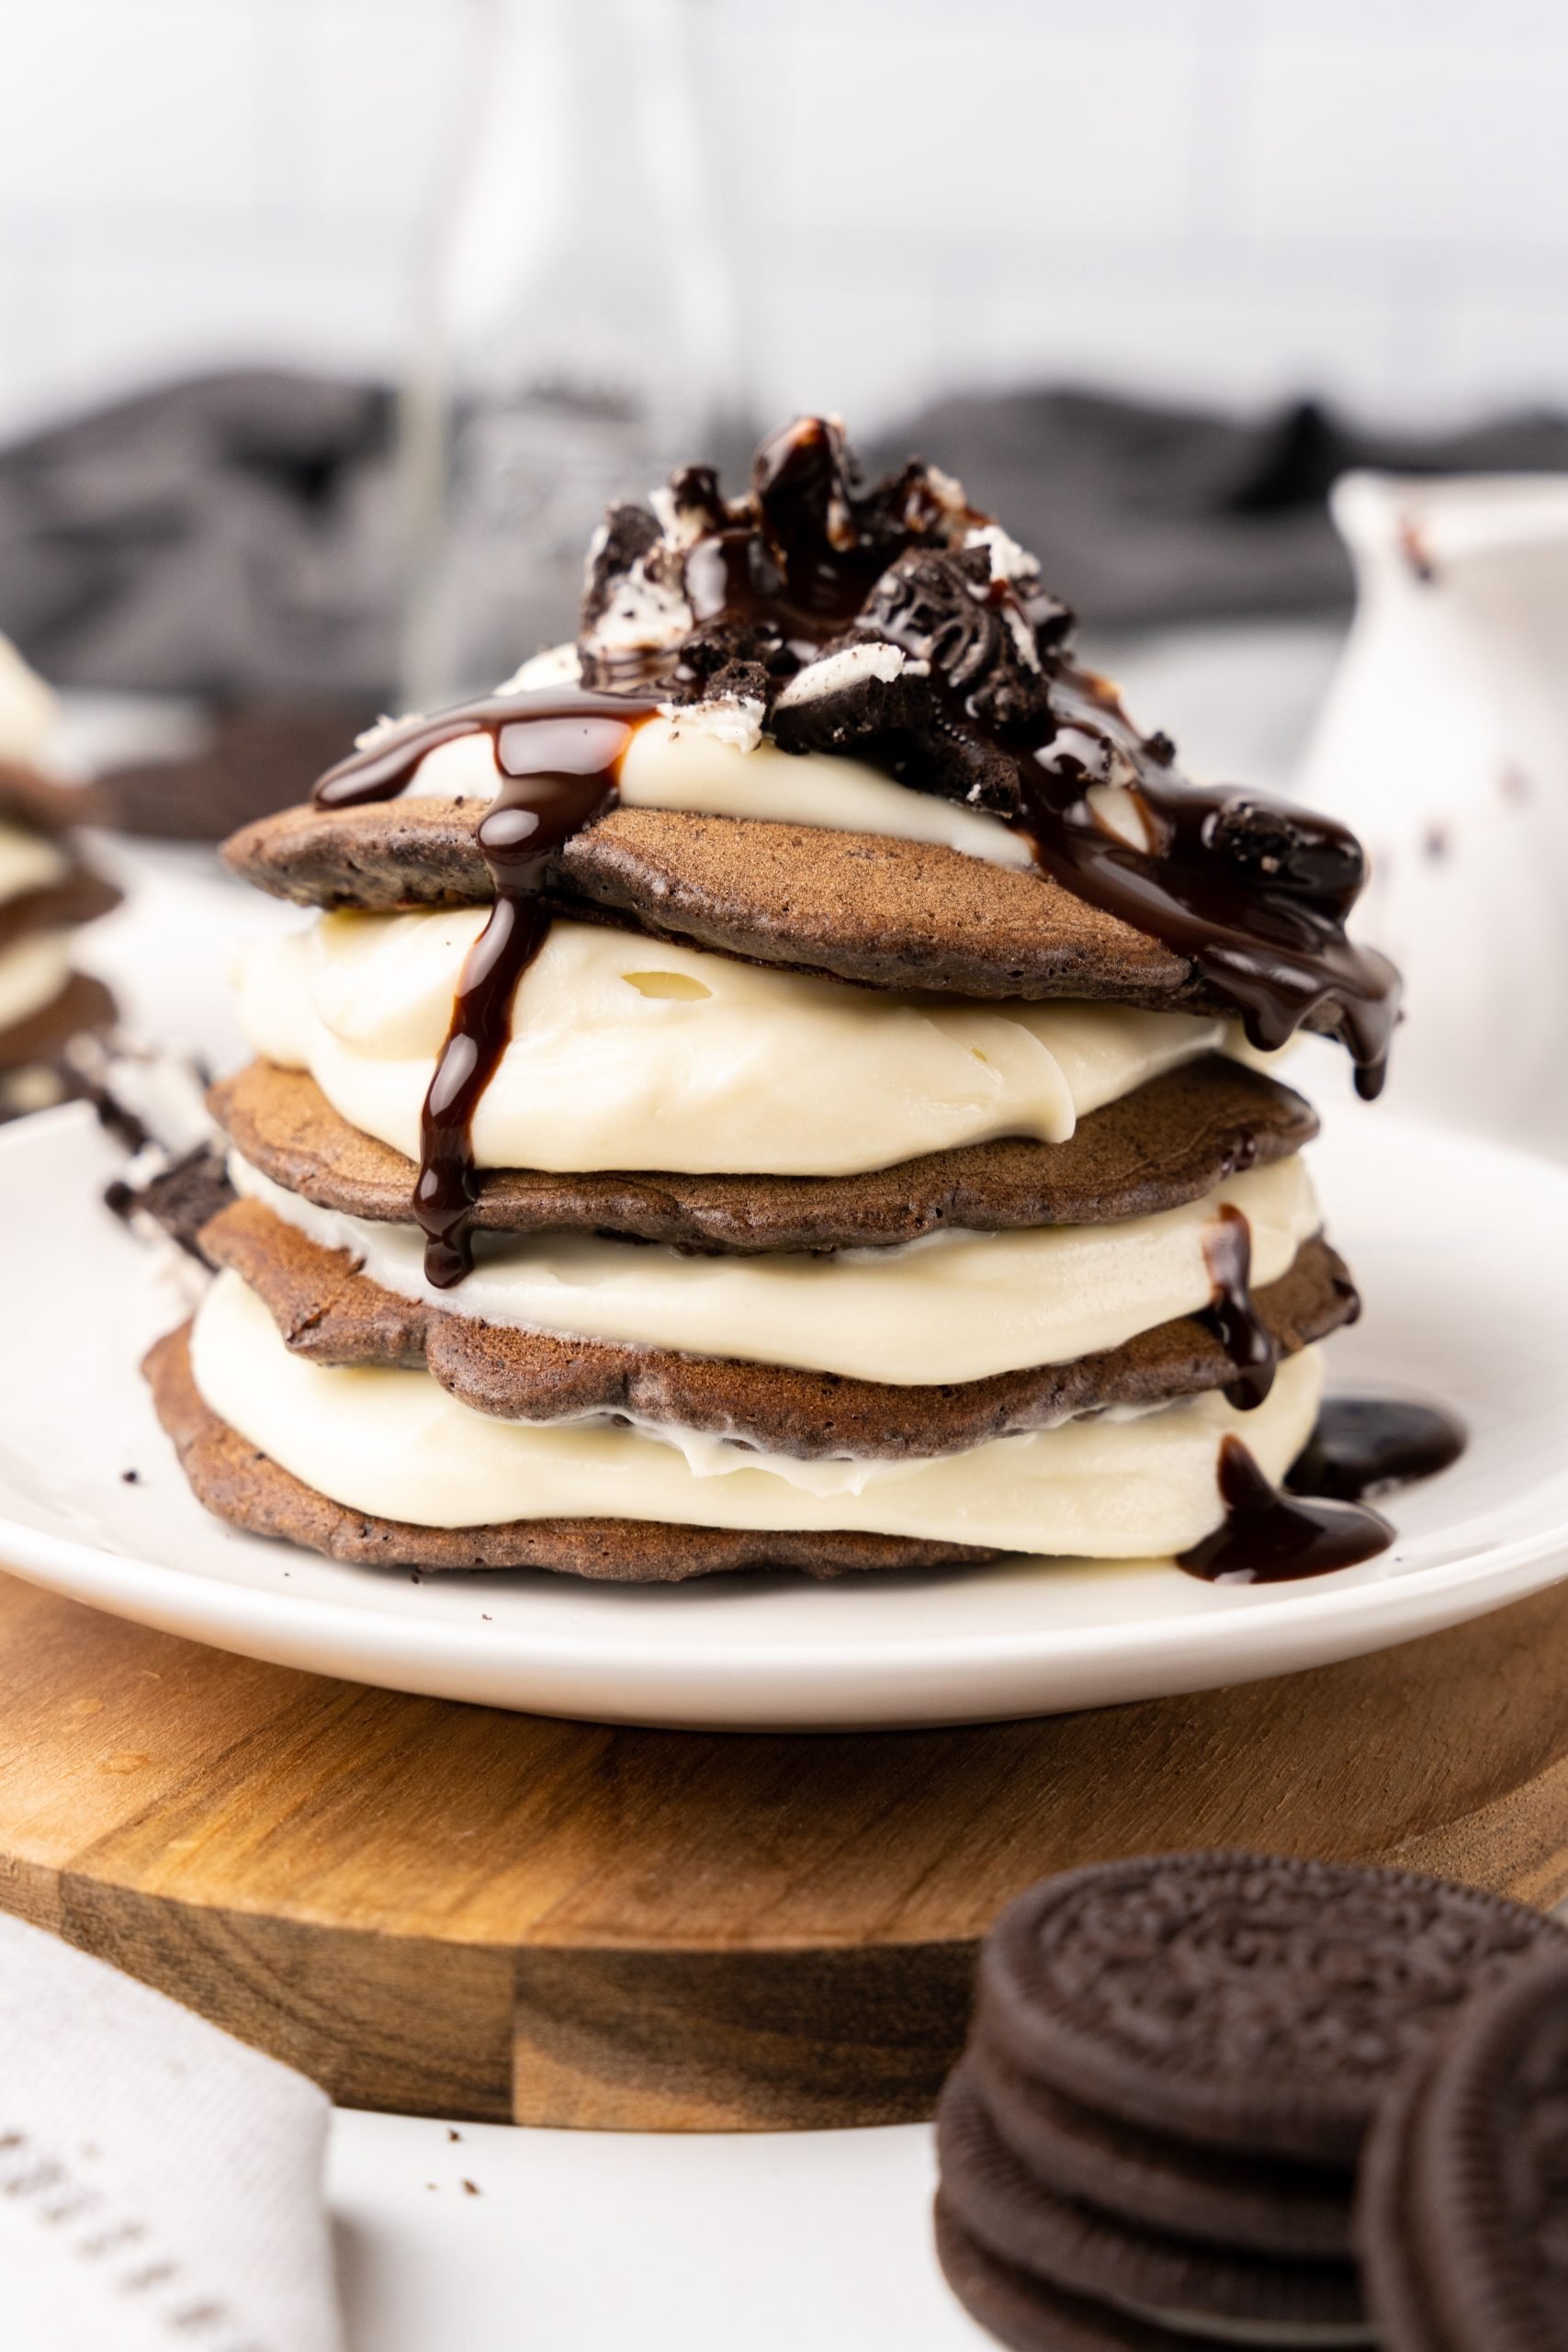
[(1444, 743)]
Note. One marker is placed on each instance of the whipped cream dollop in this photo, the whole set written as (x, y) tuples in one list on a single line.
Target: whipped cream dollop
[(953, 1305), (632, 1052), (394, 1444)]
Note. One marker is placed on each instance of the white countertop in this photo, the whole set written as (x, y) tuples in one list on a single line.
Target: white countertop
[(576, 2241)]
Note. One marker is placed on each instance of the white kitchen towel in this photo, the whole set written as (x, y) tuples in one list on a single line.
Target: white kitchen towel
[(160, 2184)]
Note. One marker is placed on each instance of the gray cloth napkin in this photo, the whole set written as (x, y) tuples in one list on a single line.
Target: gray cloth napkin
[(160, 2184), (238, 533)]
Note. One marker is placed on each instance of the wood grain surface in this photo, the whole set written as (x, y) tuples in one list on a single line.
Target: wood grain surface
[(456, 1911)]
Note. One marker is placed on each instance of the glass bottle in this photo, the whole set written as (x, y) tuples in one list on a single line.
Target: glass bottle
[(574, 335)]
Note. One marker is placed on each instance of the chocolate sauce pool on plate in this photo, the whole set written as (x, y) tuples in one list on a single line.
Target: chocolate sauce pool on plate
[(1367, 1446), (1267, 1537), (1361, 1445)]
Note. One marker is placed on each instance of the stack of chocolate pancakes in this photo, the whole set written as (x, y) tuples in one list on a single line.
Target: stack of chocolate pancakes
[(780, 1083), (1158, 2134), (47, 892)]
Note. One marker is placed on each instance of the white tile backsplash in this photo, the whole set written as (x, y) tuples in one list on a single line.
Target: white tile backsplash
[(1221, 199)]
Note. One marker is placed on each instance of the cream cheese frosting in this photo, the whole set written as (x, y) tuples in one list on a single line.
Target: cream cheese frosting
[(396, 1444), (33, 972), (629, 1053), (707, 760), (953, 1305), (28, 861)]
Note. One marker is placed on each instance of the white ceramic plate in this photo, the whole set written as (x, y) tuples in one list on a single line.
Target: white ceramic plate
[(1458, 1249)]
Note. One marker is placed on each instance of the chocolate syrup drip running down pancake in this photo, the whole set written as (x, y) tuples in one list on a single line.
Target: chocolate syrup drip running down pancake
[(1362, 1445), (1233, 1318), (559, 756), (1267, 1537)]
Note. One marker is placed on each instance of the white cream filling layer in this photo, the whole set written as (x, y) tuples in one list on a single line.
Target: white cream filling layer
[(952, 1306), (629, 1053), (33, 972), (28, 861), (696, 764), (394, 1444)]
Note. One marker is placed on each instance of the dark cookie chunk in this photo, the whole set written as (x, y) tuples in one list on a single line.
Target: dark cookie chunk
[(1256, 2004), (1172, 1140), (1463, 2217), (899, 723), (330, 1313), (179, 1201), (236, 1482), (627, 538), (1004, 2208)]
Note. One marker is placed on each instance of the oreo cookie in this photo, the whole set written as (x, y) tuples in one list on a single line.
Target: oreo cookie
[(1152, 2135), (1462, 2217)]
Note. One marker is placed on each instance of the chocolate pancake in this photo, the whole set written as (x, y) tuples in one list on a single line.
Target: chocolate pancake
[(1462, 2216), (889, 914), (232, 1480), (1171, 1141), (80, 896), (83, 1003), (333, 1314), (1076, 2246), (27, 796)]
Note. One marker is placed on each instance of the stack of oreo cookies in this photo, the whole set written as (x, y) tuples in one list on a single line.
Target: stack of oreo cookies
[(1153, 2138), (768, 1087)]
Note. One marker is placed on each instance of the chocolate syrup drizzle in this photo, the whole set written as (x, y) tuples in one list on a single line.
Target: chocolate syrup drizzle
[(1253, 894), (1362, 1445), (1233, 1318), (1267, 1537), (1264, 925), (559, 754)]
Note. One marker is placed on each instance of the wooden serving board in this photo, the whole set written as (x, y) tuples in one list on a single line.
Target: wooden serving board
[(456, 1911)]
